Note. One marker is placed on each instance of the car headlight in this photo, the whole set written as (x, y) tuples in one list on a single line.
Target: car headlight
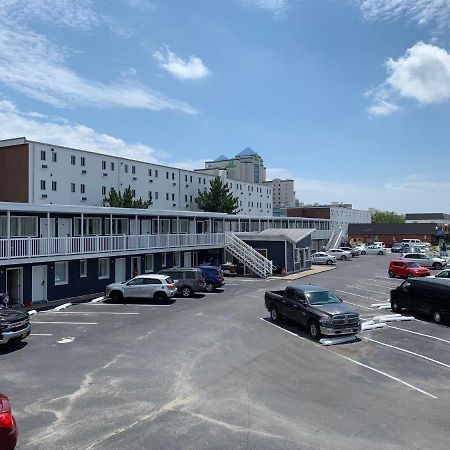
[(325, 319)]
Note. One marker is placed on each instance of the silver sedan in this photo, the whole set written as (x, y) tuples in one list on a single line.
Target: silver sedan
[(323, 258)]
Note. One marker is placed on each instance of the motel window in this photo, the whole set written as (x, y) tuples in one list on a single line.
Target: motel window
[(173, 197), (112, 166), (133, 192), (61, 273), (103, 190), (149, 263), (163, 259), (149, 172), (82, 188), (173, 175), (167, 196), (103, 268), (176, 259), (184, 226), (54, 157), (72, 160), (185, 178), (133, 169), (92, 226), (20, 226), (167, 175), (53, 185), (103, 165), (83, 161), (125, 168), (72, 187), (165, 226), (190, 178), (43, 185), (156, 195), (119, 226), (42, 155), (156, 173), (83, 268)]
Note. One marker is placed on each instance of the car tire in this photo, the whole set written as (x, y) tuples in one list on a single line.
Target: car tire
[(160, 297), (116, 296), (329, 262), (186, 291), (410, 275), (314, 329), (209, 287), (274, 314), (391, 274), (437, 266), (343, 258), (437, 317), (363, 252), (380, 253), (395, 306)]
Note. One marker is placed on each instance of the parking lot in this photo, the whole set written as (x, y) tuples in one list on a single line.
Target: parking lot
[(215, 372)]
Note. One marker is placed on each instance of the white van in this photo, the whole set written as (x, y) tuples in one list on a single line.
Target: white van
[(411, 242)]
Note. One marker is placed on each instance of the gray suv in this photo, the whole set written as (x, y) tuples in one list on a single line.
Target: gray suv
[(187, 280)]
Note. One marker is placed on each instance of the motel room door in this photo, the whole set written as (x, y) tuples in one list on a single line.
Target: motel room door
[(120, 271), (39, 283)]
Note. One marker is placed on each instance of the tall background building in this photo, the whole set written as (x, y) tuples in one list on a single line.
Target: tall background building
[(283, 192)]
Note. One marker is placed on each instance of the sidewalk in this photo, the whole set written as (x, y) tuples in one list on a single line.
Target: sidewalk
[(313, 271)]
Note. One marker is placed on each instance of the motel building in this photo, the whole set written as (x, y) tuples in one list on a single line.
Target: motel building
[(52, 252)]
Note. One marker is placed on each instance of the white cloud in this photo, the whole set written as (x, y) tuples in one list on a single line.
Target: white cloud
[(422, 74), (129, 72), (276, 7), (420, 11), (192, 69), (32, 65)]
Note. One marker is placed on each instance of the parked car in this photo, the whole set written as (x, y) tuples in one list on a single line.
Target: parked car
[(354, 251), (407, 269), (379, 244), (14, 325), (396, 247), (425, 260), (187, 280), (360, 247), (322, 258), (340, 254), (415, 249), (8, 427), (228, 270), (430, 296), (213, 277), (442, 274), (314, 307), (156, 287), (411, 242), (373, 250)]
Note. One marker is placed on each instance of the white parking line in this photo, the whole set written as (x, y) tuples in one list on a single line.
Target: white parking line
[(439, 363), (357, 295), (367, 290), (68, 323), (356, 304), (96, 312), (391, 280), (124, 304), (357, 362), (41, 334), (373, 284), (420, 334)]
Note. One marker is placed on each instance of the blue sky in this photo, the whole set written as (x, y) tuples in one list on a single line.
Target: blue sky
[(348, 97)]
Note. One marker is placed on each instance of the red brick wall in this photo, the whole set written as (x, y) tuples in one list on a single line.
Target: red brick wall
[(14, 173)]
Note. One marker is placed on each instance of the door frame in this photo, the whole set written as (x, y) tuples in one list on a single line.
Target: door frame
[(45, 280), (124, 260), (19, 270), (134, 258)]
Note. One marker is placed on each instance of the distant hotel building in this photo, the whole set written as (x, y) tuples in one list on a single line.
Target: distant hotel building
[(283, 192)]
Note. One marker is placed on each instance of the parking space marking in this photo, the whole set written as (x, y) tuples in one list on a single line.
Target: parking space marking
[(373, 284), (420, 334), (387, 375), (357, 295), (367, 290), (41, 334), (123, 304), (391, 280), (66, 323), (439, 363), (356, 304)]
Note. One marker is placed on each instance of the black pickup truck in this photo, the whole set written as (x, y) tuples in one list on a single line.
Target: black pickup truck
[(316, 308), (14, 325)]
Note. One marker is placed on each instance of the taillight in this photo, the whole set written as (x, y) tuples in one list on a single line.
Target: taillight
[(221, 278), (200, 282), (170, 286), (6, 420)]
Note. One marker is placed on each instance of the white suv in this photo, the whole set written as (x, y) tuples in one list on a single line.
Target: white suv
[(425, 260), (156, 287)]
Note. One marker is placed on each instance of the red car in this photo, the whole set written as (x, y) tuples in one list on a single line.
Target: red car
[(407, 269), (8, 428)]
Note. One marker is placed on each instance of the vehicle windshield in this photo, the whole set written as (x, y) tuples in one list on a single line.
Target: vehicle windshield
[(412, 264), (169, 280), (322, 298)]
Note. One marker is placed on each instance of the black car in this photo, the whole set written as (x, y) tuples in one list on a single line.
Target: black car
[(429, 296), (396, 247)]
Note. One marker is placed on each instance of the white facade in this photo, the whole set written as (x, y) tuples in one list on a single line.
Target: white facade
[(341, 216), (61, 175), (283, 192)]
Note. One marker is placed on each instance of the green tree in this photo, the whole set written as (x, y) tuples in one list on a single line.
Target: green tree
[(218, 198), (387, 217), (116, 199)]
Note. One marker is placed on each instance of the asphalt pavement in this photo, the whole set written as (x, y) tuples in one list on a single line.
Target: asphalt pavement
[(214, 372)]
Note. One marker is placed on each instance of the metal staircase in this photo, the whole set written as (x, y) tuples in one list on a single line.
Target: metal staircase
[(248, 256), (331, 240), (335, 239)]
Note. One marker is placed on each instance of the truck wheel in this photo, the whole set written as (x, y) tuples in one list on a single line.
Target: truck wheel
[(343, 257), (274, 314), (391, 274), (314, 330), (160, 297), (116, 296), (186, 291), (209, 287), (437, 266), (395, 306), (437, 317)]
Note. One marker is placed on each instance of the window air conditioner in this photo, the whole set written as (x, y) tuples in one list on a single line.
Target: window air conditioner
[(43, 195), (83, 172), (134, 178), (44, 166), (104, 174), (83, 199)]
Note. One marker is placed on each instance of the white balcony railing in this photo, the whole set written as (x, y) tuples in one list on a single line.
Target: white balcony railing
[(59, 246)]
